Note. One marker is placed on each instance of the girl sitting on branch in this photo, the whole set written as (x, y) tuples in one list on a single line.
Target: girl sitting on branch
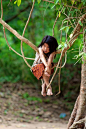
[(42, 66)]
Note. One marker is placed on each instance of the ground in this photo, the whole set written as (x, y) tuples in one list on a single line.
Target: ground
[(22, 106)]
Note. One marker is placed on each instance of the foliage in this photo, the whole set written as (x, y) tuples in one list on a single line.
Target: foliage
[(41, 23), (18, 2)]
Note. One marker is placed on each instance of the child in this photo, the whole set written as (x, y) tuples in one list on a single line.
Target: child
[(42, 65)]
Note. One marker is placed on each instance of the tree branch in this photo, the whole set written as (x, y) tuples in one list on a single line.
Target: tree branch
[(74, 112), (18, 35), (75, 34), (64, 5), (71, 41), (78, 122)]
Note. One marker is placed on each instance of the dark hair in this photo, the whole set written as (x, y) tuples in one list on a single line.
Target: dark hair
[(51, 41)]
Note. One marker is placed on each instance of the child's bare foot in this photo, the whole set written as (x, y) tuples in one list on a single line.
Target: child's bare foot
[(43, 92), (49, 91)]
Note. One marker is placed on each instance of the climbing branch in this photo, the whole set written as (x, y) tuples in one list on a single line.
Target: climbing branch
[(10, 48), (24, 33), (18, 35), (75, 34)]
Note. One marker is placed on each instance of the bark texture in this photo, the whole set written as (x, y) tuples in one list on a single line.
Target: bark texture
[(79, 110)]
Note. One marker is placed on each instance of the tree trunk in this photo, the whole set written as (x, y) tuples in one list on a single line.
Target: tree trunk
[(81, 108)]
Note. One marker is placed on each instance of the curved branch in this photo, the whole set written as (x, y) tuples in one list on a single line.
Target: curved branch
[(18, 35), (75, 34), (78, 26), (10, 48), (56, 21), (24, 33)]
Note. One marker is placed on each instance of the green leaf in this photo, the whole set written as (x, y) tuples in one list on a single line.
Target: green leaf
[(18, 2), (67, 29), (38, 1), (65, 21), (80, 54), (15, 2), (63, 28), (80, 5), (72, 1), (80, 23), (56, 1)]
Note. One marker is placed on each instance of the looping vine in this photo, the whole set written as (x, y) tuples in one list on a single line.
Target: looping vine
[(75, 34), (24, 33)]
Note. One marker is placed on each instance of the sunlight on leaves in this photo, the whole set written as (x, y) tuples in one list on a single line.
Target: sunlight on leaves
[(72, 1), (38, 1), (56, 1), (18, 2)]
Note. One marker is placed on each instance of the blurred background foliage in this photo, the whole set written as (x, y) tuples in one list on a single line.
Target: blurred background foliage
[(13, 68)]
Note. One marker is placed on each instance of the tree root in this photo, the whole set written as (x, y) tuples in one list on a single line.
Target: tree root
[(79, 124)]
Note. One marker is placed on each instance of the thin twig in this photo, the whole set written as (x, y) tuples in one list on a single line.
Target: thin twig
[(6, 37), (24, 33), (13, 49), (48, 1), (64, 5), (56, 21), (1, 10), (56, 68), (63, 64), (18, 35), (59, 79), (69, 19)]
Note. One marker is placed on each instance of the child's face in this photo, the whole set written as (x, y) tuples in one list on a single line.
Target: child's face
[(45, 48)]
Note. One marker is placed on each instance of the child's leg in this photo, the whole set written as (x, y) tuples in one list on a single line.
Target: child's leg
[(46, 80), (43, 92)]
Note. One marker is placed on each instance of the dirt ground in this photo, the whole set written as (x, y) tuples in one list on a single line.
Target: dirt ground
[(34, 125), (23, 107)]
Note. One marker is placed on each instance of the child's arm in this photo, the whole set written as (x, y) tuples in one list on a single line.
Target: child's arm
[(48, 69), (43, 58), (50, 60)]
